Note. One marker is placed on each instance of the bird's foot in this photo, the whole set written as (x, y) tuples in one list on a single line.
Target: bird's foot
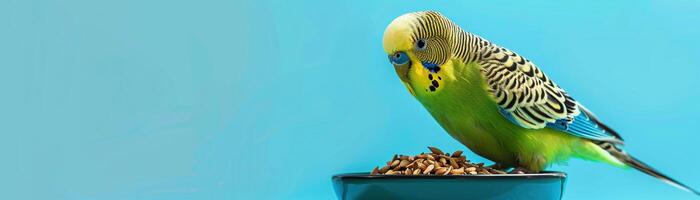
[(520, 170), (499, 166)]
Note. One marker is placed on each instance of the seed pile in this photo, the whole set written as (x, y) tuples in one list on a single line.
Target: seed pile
[(434, 163)]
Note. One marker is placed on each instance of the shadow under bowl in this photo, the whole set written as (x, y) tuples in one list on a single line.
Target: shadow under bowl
[(544, 185)]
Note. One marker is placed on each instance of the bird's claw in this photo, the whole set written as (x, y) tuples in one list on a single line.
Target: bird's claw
[(499, 167), (520, 170)]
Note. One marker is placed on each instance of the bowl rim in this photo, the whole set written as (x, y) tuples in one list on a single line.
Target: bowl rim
[(366, 175)]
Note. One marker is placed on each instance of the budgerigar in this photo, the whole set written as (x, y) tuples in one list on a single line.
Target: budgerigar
[(496, 102)]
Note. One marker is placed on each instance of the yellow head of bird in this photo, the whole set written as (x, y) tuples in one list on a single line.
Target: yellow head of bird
[(418, 43)]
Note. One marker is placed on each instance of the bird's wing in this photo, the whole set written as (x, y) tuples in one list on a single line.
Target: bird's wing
[(528, 98)]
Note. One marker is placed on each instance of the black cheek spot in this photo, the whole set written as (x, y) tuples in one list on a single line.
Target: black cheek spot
[(430, 76), (432, 88), (439, 78), (435, 83)]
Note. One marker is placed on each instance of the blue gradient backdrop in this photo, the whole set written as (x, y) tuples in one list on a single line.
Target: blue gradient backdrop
[(267, 99)]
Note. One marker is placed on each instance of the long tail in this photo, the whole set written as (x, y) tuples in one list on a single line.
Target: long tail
[(639, 165)]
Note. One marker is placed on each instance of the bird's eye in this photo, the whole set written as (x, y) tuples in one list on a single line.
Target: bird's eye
[(421, 44), (399, 58)]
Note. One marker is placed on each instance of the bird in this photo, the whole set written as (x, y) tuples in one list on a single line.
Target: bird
[(496, 102)]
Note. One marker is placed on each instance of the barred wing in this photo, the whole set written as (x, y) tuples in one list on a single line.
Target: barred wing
[(527, 97)]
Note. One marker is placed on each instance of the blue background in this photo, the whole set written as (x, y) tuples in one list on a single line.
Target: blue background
[(267, 99)]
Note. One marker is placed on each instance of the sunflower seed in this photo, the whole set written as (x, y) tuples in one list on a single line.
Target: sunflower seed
[(404, 163), (395, 163), (435, 150), (440, 170), (384, 169), (454, 163), (375, 171), (421, 166), (457, 171), (428, 169), (447, 171)]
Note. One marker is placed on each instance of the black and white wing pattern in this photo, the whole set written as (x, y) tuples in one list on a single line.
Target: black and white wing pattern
[(527, 97)]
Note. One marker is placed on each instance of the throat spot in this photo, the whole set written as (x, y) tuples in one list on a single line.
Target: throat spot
[(434, 82)]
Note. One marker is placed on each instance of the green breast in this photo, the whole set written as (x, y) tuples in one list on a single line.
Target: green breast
[(463, 107)]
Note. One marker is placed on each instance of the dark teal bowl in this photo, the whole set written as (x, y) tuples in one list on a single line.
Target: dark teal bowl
[(545, 185)]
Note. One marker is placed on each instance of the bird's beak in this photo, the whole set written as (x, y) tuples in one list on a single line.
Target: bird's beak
[(402, 72)]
